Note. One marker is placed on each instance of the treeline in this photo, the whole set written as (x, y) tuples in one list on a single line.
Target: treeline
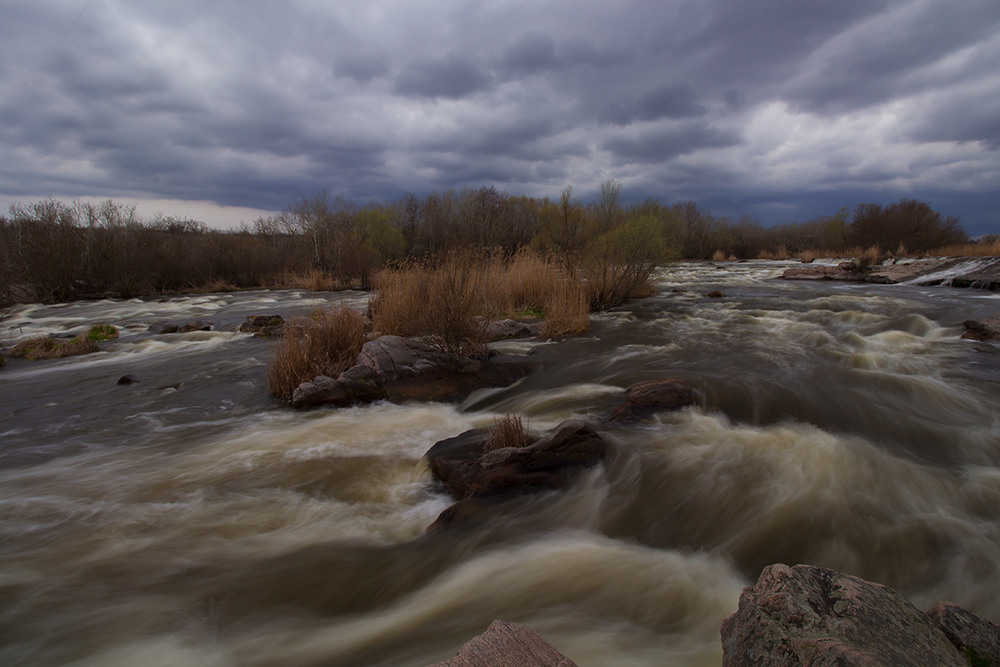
[(56, 251)]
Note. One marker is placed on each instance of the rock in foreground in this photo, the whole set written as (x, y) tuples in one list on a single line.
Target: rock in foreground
[(806, 615), (507, 644), (402, 369)]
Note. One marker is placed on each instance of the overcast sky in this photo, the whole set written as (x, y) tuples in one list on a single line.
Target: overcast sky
[(784, 109)]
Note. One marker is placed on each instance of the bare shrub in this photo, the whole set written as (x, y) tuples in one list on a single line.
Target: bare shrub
[(507, 431), (326, 343)]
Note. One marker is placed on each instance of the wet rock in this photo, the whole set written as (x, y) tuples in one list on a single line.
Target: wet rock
[(503, 329), (715, 294), (403, 369), (645, 398), (985, 328), (506, 644), (179, 327), (977, 638), (807, 615), (263, 326), (463, 466), (823, 272), (127, 379)]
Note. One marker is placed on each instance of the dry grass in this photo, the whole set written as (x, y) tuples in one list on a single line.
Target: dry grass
[(314, 280), (719, 256), (984, 249), (507, 431), (44, 347), (451, 300), (326, 343)]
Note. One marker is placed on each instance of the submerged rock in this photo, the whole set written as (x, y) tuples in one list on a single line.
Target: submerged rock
[(403, 369), (506, 644), (806, 615), (645, 398), (263, 325), (179, 327), (985, 328)]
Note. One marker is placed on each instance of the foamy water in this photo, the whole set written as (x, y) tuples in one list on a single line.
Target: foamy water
[(190, 519)]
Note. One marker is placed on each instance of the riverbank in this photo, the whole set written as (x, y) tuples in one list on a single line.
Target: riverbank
[(976, 272)]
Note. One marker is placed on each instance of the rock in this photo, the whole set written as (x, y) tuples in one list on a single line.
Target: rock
[(641, 400), (806, 615), (263, 325), (507, 644), (401, 369), (822, 272), (179, 327), (985, 328), (127, 379), (715, 294), (549, 463), (503, 329), (976, 637)]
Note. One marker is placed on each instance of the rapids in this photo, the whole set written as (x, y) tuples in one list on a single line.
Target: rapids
[(189, 519)]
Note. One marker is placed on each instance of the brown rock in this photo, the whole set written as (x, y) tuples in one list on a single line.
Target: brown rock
[(976, 637), (263, 325), (507, 644), (807, 615), (643, 399), (403, 369), (462, 466), (985, 328), (179, 327), (715, 294)]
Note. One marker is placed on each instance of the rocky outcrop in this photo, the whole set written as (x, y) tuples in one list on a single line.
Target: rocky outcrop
[(980, 272), (847, 270), (263, 326), (504, 329), (402, 369), (985, 328), (179, 327), (507, 644), (642, 400), (806, 615), (478, 477), (977, 638)]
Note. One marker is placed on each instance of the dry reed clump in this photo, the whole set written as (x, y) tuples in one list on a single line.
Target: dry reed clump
[(45, 347), (507, 431), (719, 256), (326, 343), (314, 280), (450, 301)]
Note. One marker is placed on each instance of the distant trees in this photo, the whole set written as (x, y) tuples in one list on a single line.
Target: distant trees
[(907, 226)]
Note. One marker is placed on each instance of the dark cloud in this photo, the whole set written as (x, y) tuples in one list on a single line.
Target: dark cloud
[(665, 144), (452, 76), (245, 102)]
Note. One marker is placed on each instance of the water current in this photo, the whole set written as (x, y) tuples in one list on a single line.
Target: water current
[(189, 519)]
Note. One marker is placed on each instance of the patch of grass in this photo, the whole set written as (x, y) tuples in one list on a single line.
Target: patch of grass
[(567, 310), (100, 332), (325, 343), (46, 347), (982, 249), (507, 431)]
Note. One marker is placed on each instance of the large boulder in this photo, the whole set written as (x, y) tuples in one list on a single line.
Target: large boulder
[(466, 469), (507, 644), (977, 638), (645, 398), (985, 328), (402, 369), (806, 615), (263, 326)]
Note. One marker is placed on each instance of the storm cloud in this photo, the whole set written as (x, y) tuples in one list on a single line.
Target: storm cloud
[(784, 109)]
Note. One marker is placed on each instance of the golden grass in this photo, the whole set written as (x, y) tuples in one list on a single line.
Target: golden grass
[(719, 256), (325, 343), (983, 249), (314, 280), (507, 431), (45, 347), (450, 300)]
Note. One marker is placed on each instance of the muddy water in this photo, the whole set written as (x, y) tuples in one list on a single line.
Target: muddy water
[(189, 519)]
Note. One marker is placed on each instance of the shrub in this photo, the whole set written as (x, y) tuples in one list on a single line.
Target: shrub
[(507, 431), (326, 343), (100, 332)]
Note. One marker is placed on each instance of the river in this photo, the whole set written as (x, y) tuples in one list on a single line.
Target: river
[(189, 519)]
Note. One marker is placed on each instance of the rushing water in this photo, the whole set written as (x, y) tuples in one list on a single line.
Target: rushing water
[(189, 519)]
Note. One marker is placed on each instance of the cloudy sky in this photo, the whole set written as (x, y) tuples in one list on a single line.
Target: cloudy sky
[(784, 109)]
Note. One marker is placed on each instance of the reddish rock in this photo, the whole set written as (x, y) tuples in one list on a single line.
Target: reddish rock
[(507, 644), (807, 615), (977, 638), (641, 400)]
